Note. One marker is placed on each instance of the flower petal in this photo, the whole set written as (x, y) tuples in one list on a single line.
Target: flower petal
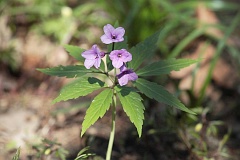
[(123, 68), (117, 63), (105, 39), (119, 32), (123, 80), (126, 56), (97, 63), (89, 54), (95, 48), (113, 55), (132, 76), (118, 40), (97, 51), (108, 30), (88, 63)]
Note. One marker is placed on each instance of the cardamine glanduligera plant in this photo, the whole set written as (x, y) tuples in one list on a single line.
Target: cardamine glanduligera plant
[(124, 80)]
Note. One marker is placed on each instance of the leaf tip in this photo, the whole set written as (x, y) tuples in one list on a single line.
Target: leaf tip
[(190, 112), (40, 69), (139, 134), (65, 46), (55, 101), (82, 133)]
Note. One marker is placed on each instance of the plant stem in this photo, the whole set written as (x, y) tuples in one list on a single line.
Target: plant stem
[(113, 46), (112, 134)]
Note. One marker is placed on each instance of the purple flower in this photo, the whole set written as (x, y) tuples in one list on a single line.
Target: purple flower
[(126, 75), (119, 57), (112, 35), (93, 57)]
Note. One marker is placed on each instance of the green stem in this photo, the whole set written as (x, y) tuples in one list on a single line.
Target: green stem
[(112, 134), (113, 46)]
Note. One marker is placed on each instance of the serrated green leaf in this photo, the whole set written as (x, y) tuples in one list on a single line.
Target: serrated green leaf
[(78, 88), (67, 71), (165, 67), (98, 108), (143, 50), (132, 105), (160, 94), (75, 51)]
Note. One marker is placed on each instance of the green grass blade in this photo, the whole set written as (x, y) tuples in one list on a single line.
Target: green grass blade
[(221, 44), (193, 35)]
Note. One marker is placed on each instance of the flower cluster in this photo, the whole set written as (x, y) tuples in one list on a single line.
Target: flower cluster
[(119, 58)]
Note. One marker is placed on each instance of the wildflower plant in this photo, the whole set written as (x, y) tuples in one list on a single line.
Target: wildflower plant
[(122, 67)]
